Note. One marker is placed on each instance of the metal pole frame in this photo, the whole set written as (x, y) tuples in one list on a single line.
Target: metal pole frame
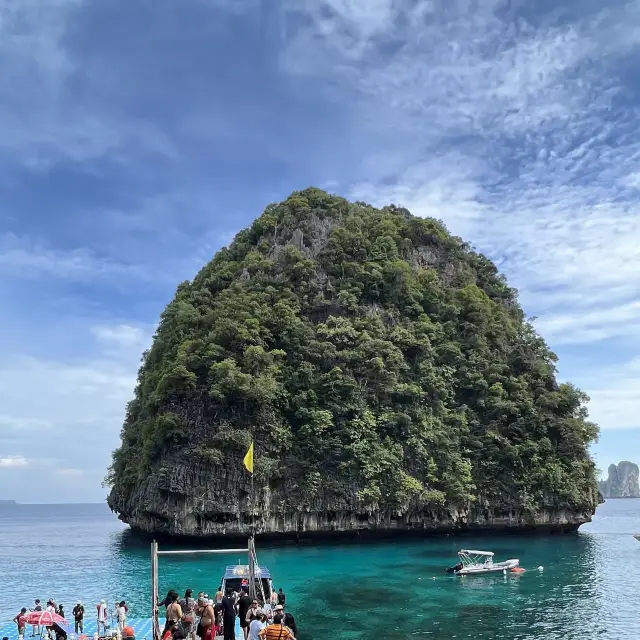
[(155, 624), (155, 552)]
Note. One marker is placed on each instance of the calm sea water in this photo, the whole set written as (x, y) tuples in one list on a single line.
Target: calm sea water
[(590, 586)]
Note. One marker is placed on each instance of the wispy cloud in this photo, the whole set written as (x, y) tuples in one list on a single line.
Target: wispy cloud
[(11, 462), (122, 335), (615, 394), (512, 130), (25, 258)]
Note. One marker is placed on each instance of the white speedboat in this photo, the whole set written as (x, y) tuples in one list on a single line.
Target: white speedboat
[(473, 562)]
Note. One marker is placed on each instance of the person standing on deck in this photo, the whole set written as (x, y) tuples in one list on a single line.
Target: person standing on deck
[(35, 629), (281, 597), (188, 605), (290, 622), (207, 621), (174, 612), (257, 625), (244, 603), (121, 615), (19, 620), (102, 616), (229, 616), (78, 617), (252, 614), (276, 631)]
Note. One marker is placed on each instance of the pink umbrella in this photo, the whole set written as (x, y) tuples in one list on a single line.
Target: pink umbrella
[(42, 618)]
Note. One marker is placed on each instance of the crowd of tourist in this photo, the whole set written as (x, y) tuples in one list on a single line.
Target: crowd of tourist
[(190, 618), (187, 618), (48, 631)]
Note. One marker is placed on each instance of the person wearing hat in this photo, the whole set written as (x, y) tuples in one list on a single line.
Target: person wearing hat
[(78, 617)]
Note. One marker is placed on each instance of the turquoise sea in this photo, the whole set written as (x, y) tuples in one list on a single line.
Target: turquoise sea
[(590, 586)]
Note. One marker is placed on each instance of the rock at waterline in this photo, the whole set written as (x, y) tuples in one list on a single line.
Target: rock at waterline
[(385, 371)]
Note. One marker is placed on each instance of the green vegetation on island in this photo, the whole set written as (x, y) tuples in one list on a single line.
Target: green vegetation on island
[(373, 357)]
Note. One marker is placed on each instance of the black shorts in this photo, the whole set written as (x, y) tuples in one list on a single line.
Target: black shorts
[(199, 630), (243, 624)]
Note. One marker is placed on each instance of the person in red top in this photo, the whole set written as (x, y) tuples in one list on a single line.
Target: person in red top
[(19, 620)]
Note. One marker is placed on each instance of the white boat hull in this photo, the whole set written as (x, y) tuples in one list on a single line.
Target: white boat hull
[(495, 567)]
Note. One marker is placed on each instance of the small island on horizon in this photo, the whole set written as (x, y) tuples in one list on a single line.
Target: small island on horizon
[(7, 503), (622, 481)]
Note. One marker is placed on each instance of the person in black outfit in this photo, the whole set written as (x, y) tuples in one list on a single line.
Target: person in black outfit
[(229, 616), (244, 604), (291, 623), (281, 596)]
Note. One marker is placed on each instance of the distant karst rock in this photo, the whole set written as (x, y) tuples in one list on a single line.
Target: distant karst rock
[(622, 481), (385, 371)]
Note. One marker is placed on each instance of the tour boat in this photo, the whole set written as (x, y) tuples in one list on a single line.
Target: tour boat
[(474, 562), (236, 577)]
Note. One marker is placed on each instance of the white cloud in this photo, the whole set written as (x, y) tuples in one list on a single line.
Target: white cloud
[(11, 462), (615, 394), (509, 131), (24, 257), (123, 335)]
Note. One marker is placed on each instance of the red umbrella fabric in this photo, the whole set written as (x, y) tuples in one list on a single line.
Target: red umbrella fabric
[(42, 618)]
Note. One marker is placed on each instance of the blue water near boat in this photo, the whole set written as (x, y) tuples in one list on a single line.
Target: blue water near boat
[(590, 586)]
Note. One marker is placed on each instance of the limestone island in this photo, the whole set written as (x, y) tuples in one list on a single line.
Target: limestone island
[(622, 481), (384, 370)]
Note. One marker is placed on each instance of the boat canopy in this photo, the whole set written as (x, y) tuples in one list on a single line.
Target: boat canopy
[(472, 552), (242, 571)]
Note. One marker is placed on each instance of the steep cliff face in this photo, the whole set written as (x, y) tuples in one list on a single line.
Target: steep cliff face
[(622, 481), (385, 372)]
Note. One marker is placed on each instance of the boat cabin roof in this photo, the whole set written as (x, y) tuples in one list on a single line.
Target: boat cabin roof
[(242, 571), (472, 552)]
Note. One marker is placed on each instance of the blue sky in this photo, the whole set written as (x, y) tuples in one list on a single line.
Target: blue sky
[(138, 137)]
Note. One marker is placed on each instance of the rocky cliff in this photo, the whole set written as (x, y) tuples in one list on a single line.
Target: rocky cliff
[(383, 369), (622, 481)]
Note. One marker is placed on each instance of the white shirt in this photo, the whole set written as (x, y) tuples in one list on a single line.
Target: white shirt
[(255, 628), (102, 612), (121, 613)]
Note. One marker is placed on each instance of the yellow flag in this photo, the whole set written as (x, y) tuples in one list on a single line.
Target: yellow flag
[(248, 459)]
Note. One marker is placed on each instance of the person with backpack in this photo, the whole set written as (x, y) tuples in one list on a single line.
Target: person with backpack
[(188, 605), (276, 630)]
